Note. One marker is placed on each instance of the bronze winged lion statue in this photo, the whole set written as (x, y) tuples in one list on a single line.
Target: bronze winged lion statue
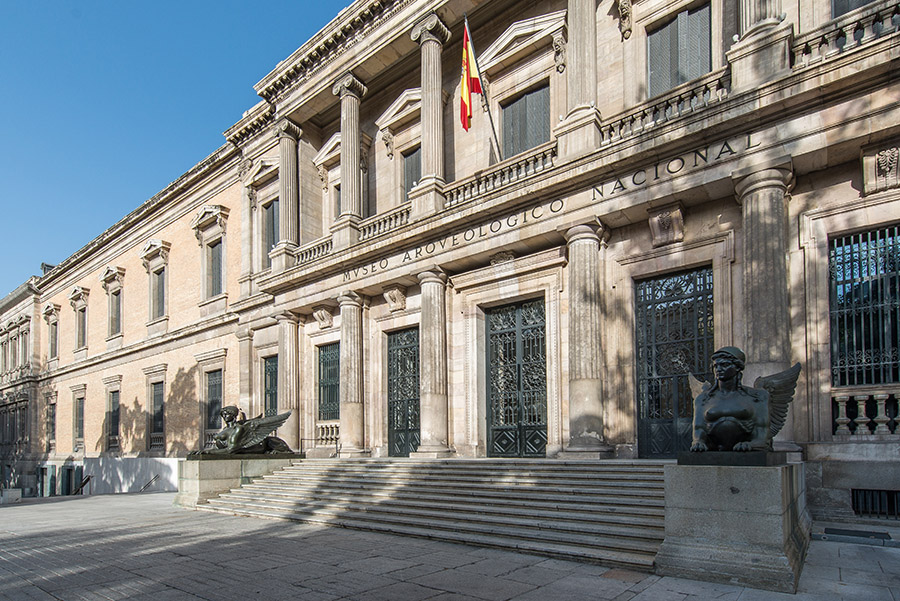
[(729, 416), (244, 436)]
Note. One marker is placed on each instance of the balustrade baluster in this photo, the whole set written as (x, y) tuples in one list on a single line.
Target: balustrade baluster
[(842, 421), (861, 421), (881, 416)]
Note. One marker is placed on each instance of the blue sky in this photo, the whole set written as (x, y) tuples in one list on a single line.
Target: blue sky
[(105, 102)]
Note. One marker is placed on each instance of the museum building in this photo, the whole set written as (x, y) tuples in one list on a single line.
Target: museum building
[(642, 182)]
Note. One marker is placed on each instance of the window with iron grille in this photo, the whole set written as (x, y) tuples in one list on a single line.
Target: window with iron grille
[(213, 399), (112, 420), (329, 381), (270, 383), (864, 274), (78, 433), (158, 408), (526, 121), (842, 7), (679, 51), (51, 425)]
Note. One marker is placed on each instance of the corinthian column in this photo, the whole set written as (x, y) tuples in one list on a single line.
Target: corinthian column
[(346, 228), (288, 377), (585, 357), (352, 411), (288, 195), (433, 410), (431, 34), (579, 133)]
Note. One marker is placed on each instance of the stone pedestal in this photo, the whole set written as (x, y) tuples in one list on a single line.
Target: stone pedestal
[(747, 526), (203, 477)]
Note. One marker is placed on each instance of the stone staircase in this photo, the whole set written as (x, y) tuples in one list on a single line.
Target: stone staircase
[(608, 512)]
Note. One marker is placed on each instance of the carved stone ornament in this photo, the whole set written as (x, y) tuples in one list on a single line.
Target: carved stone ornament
[(625, 18), (395, 296), (112, 275), (246, 165), (78, 297), (324, 316), (388, 138), (51, 312), (667, 225), (323, 175), (209, 216), (502, 257), (559, 51), (430, 28), (252, 196), (154, 249), (363, 158), (881, 167), (348, 84), (286, 128)]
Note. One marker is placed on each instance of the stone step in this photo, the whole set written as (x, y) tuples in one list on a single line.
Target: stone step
[(521, 479), (549, 468)]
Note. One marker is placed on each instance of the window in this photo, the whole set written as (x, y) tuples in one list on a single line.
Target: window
[(864, 284), (158, 292), (81, 327), (841, 7), (112, 280), (112, 420), (330, 381), (13, 356), (270, 231), (412, 170), (270, 382), (3, 354), (115, 313), (51, 425), (26, 350), (155, 256), (78, 421), (679, 51), (78, 299), (157, 408), (214, 268), (213, 399), (54, 339), (526, 121)]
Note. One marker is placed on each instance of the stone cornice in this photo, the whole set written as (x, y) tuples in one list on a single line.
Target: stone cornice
[(253, 122)]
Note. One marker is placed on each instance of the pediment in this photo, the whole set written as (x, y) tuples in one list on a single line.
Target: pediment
[(404, 109), (330, 153), (209, 215), (520, 39), (261, 172)]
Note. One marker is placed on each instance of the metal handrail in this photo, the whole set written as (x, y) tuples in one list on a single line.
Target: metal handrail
[(147, 485), (84, 482)]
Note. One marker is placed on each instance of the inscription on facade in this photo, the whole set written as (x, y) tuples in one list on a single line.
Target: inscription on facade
[(460, 238), (700, 157)]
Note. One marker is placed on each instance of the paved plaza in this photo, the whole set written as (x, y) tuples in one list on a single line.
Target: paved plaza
[(141, 547)]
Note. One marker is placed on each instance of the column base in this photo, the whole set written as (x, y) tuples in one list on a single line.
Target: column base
[(354, 453), (431, 452), (586, 448)]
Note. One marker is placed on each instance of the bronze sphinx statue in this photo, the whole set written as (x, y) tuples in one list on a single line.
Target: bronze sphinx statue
[(729, 416), (246, 436)]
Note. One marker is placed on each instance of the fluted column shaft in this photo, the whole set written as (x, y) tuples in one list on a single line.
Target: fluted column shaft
[(352, 411), (351, 91), (289, 377), (581, 54), (585, 356), (288, 182), (432, 34), (756, 14), (433, 400)]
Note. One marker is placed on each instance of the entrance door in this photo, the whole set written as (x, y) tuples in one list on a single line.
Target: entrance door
[(674, 338), (403, 392), (517, 380)]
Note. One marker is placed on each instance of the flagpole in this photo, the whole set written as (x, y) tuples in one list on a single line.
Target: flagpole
[(483, 91)]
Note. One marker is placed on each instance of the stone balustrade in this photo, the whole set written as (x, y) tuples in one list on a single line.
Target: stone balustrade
[(502, 174), (856, 28), (384, 222), (314, 250), (677, 102), (865, 415), (328, 433)]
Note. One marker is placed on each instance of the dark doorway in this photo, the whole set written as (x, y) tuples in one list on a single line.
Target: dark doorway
[(403, 392)]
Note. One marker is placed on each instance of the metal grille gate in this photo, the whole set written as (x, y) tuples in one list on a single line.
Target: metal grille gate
[(403, 392), (674, 338), (330, 381), (517, 380), (270, 392)]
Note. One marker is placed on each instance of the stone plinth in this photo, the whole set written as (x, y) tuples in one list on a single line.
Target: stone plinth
[(207, 476), (737, 525)]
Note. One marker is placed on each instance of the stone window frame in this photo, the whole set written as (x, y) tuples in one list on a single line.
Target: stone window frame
[(322, 330), (716, 251), (113, 442), (50, 410), (400, 130), (208, 362), (51, 317), (261, 184), (25, 354), (526, 55), (155, 257), (113, 279), (79, 391), (4, 351), (155, 374), (328, 163), (651, 15), (817, 228), (78, 298), (209, 227)]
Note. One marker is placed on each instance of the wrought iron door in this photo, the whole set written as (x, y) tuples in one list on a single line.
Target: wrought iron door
[(330, 382), (403, 392), (270, 385), (674, 322), (517, 380)]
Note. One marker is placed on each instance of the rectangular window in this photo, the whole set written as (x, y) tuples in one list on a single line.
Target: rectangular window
[(13, 357), (270, 381), (112, 419), (330, 381), (81, 327), (26, 351), (679, 51), (157, 408), (54, 339), (3, 347), (412, 170), (158, 308), (270, 230), (79, 421), (115, 313), (842, 7), (864, 272), (214, 269), (526, 121), (213, 399), (51, 424)]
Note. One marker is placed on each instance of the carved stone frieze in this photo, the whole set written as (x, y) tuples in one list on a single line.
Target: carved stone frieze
[(881, 167), (666, 224), (324, 316), (502, 257), (395, 296)]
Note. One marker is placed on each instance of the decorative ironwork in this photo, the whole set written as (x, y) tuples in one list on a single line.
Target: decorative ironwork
[(403, 392), (876, 503), (517, 380), (270, 377), (674, 338), (330, 381), (865, 307)]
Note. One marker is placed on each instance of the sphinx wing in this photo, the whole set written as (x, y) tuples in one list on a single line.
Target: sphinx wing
[(781, 388), (258, 428), (698, 386)]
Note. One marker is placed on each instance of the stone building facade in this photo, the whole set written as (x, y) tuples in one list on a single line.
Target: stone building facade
[(668, 177)]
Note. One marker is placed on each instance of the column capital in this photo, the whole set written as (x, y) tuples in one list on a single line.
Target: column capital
[(594, 230), (434, 275), (779, 172), (244, 333), (351, 299), (348, 84), (287, 316), (287, 129), (430, 28)]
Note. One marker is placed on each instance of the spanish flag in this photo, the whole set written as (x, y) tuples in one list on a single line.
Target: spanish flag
[(471, 80)]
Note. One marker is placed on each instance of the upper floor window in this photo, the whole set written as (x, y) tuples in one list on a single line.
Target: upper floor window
[(214, 285), (680, 50), (155, 256), (158, 293), (841, 7), (209, 227), (864, 271), (53, 334), (412, 170), (526, 121), (78, 299), (111, 280), (270, 230)]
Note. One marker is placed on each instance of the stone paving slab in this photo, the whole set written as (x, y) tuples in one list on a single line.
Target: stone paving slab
[(141, 548)]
